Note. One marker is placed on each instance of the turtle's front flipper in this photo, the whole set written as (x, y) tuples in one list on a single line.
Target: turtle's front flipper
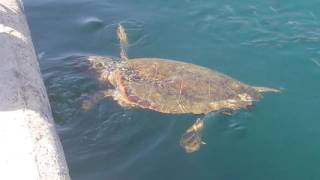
[(95, 98), (191, 140), (123, 42)]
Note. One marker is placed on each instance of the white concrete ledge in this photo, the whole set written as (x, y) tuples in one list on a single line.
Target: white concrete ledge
[(29, 145)]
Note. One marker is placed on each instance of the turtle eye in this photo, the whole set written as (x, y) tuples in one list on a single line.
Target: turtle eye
[(99, 65)]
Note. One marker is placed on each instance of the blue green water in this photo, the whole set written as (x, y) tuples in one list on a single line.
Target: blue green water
[(266, 43)]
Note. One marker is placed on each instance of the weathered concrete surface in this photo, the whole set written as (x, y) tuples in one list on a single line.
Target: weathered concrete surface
[(29, 145)]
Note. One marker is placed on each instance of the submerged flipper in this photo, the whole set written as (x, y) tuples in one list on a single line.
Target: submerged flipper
[(191, 140), (123, 42), (88, 104)]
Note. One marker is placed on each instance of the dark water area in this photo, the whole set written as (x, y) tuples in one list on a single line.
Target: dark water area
[(266, 43)]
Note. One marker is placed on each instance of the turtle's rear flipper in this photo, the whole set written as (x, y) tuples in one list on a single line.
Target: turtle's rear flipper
[(191, 140), (267, 89), (88, 104)]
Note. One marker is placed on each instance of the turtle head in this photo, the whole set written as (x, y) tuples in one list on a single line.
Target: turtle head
[(103, 67)]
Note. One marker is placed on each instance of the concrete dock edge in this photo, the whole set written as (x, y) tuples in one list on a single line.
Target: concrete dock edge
[(30, 147)]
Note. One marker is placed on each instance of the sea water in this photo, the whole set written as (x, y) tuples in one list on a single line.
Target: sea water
[(263, 43)]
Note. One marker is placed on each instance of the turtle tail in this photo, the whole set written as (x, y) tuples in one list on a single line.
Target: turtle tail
[(267, 89), (123, 42)]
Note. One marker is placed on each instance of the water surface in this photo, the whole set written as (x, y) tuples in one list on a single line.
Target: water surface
[(269, 43)]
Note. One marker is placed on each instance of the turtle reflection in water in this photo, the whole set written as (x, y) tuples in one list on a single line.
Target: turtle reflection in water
[(169, 86)]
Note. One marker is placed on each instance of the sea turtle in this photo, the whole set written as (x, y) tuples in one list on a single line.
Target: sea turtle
[(170, 86)]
